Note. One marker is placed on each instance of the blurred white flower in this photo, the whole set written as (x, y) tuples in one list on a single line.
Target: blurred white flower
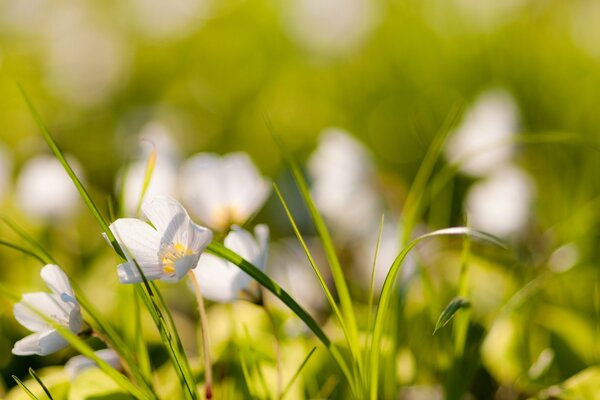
[(85, 62), (564, 258), (487, 15), (331, 27), (156, 142), (585, 29), (481, 143), (24, 16), (167, 251), (500, 203), (60, 306), (389, 248), (342, 175), (290, 268), (76, 365), (222, 191), (167, 20), (45, 191), (5, 171), (224, 282)]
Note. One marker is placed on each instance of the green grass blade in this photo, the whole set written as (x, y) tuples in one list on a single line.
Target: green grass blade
[(223, 252), (316, 270), (296, 374), (67, 167), (337, 273), (413, 203), (147, 177), (24, 387), (388, 289), (448, 313), (39, 381), (22, 250), (45, 255)]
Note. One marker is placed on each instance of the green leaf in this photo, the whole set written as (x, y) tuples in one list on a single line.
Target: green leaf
[(25, 388), (388, 289), (223, 252), (452, 308), (296, 374), (39, 381)]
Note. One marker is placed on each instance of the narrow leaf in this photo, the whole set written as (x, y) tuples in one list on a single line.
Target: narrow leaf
[(25, 388), (452, 308), (39, 381)]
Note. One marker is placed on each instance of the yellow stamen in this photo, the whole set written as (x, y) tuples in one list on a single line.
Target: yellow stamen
[(170, 254)]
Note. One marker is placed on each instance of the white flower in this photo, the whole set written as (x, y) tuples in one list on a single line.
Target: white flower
[(222, 191), (60, 305), (224, 282), (342, 172), (331, 27), (167, 251), (76, 365), (500, 204), (45, 191), (481, 142)]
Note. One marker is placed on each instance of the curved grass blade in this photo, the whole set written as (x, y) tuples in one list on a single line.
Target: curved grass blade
[(48, 259), (388, 289), (223, 252), (448, 313), (24, 387), (67, 167), (337, 273), (296, 374), (39, 381), (22, 250)]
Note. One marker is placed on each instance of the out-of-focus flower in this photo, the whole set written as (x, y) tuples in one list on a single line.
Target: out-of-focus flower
[(342, 179), (488, 15), (584, 26), (167, 20), (5, 171), (60, 306), (389, 248), (163, 182), (76, 365), (45, 191), (167, 251), (481, 143), (289, 267), (223, 282), (330, 27), (85, 62), (500, 203), (222, 191), (24, 16)]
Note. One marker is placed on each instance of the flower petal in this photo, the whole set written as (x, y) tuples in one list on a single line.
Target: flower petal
[(29, 319), (51, 341), (168, 217), (128, 272), (28, 346), (198, 238), (46, 303), (138, 239), (219, 280), (76, 365), (56, 280)]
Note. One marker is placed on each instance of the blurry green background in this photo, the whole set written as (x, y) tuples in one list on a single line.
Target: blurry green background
[(392, 73)]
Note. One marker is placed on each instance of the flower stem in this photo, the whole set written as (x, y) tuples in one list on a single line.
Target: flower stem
[(204, 333)]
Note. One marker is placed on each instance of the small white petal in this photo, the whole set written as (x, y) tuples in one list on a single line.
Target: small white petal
[(128, 273), (47, 304), (168, 217), (139, 240), (50, 342), (198, 238), (28, 346), (29, 319), (76, 365), (56, 280), (219, 280), (184, 264)]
